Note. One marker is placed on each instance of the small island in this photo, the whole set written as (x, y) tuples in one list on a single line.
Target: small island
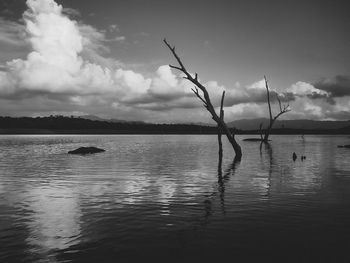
[(86, 150)]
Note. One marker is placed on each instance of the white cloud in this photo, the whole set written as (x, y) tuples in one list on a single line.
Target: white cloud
[(133, 83), (303, 88), (92, 39), (119, 38), (114, 28), (166, 83), (55, 63)]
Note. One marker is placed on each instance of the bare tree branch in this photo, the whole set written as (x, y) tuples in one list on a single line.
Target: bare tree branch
[(174, 67), (196, 92), (268, 97), (279, 103), (283, 110)]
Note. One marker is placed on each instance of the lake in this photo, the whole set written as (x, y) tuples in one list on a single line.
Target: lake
[(164, 198)]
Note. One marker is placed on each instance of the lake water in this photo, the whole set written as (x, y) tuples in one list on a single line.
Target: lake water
[(164, 198)]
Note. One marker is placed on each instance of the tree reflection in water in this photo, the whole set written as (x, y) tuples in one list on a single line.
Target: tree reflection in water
[(225, 175), (268, 150), (223, 178)]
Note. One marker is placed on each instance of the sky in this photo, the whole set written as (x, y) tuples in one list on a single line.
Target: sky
[(107, 58)]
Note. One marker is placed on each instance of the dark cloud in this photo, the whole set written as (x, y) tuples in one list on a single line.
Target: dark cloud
[(168, 96), (160, 102), (235, 100), (259, 97), (151, 98), (327, 97), (338, 86), (338, 115), (71, 12), (154, 104), (167, 106)]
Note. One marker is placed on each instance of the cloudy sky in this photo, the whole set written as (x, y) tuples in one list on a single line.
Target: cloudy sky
[(107, 58)]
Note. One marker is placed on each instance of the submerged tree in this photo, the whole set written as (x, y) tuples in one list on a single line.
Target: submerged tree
[(283, 109), (219, 128), (204, 97)]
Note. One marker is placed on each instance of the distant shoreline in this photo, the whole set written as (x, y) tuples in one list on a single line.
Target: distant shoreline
[(72, 125), (134, 132)]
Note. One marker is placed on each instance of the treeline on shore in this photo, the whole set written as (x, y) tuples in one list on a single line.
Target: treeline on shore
[(77, 125)]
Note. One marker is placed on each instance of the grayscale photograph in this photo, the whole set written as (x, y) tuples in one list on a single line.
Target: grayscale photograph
[(174, 131)]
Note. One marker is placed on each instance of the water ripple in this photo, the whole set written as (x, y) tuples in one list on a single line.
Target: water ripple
[(168, 193)]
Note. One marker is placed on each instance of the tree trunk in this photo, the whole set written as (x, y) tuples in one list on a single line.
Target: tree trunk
[(219, 128), (207, 102)]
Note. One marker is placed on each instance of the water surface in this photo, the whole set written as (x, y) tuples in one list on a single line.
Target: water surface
[(163, 197)]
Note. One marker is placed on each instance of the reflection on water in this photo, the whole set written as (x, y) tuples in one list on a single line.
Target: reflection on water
[(223, 179), (53, 220), (150, 197)]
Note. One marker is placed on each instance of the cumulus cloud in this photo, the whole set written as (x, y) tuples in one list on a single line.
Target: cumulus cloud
[(311, 102), (63, 61), (133, 84), (54, 65), (256, 93), (57, 62), (304, 89)]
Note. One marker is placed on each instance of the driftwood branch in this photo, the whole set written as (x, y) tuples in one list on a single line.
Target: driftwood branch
[(206, 100)]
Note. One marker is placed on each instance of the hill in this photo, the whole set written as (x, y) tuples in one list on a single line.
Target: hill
[(253, 124)]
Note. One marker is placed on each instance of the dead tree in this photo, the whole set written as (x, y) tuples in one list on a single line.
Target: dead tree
[(219, 128), (283, 110), (204, 97)]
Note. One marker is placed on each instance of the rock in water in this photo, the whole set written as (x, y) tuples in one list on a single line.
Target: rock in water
[(86, 150), (294, 156)]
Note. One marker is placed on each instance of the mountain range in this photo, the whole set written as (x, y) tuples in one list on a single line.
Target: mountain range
[(253, 124), (96, 118)]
